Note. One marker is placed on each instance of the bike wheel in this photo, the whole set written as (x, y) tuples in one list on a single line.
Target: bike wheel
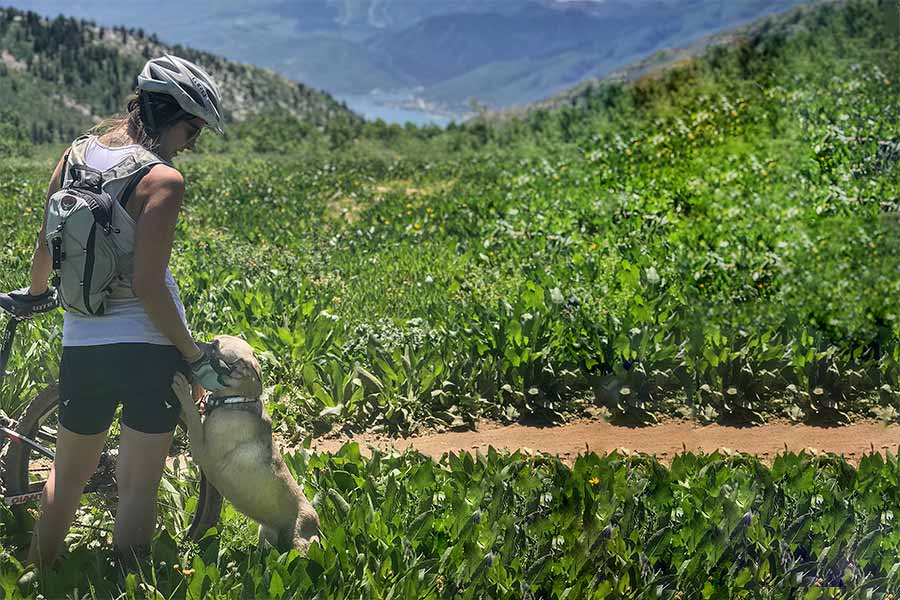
[(197, 503)]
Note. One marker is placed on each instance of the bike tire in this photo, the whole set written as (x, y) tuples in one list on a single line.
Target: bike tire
[(15, 462)]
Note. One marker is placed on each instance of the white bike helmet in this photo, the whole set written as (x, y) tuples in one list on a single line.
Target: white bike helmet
[(191, 86)]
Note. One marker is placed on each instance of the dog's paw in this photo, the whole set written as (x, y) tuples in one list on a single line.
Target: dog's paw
[(182, 388)]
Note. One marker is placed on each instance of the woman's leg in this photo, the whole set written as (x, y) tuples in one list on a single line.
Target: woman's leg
[(76, 460), (142, 457)]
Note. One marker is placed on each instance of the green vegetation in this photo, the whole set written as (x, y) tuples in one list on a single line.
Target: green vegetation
[(707, 251), (717, 242), (517, 526)]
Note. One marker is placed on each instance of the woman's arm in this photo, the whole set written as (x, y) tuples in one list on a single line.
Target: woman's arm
[(41, 264), (161, 194)]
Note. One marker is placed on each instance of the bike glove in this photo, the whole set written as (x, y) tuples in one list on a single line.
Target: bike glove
[(26, 304), (207, 375)]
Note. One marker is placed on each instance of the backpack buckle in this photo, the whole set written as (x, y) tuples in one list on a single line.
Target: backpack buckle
[(58, 254)]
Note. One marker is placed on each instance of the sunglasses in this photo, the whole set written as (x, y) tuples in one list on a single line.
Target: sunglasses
[(195, 131)]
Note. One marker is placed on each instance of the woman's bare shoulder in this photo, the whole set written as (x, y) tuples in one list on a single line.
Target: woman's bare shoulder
[(161, 180), (163, 176)]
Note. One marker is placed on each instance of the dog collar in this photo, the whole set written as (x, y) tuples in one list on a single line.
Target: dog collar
[(210, 403)]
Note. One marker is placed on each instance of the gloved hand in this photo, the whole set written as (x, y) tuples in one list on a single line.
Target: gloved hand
[(23, 304), (208, 375)]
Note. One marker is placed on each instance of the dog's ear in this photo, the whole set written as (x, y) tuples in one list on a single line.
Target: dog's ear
[(246, 377)]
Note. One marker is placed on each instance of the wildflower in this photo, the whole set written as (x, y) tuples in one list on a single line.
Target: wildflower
[(733, 114), (593, 246), (417, 226), (759, 285), (594, 480), (628, 151), (701, 285), (187, 572), (408, 205), (764, 173)]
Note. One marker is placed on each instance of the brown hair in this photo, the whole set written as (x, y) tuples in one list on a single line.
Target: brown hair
[(148, 115)]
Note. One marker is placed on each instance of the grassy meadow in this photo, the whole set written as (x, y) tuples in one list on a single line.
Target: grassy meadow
[(718, 242)]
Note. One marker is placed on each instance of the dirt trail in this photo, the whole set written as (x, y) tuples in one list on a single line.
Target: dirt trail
[(664, 440)]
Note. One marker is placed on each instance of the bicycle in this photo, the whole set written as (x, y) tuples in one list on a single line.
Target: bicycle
[(27, 445)]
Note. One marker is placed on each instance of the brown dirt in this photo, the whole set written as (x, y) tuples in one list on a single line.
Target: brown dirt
[(664, 440)]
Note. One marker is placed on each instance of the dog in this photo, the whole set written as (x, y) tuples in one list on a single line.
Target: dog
[(232, 443)]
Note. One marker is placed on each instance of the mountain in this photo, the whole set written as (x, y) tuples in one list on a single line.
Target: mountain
[(440, 53), (656, 63), (59, 76)]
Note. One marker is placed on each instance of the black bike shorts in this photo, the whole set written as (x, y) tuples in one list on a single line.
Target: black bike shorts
[(93, 380)]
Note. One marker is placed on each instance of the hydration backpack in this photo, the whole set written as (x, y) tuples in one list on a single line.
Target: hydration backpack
[(80, 230)]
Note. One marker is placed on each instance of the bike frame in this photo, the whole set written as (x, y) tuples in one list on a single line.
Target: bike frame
[(6, 425)]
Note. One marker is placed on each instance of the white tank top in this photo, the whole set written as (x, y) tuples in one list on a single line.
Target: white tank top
[(125, 320)]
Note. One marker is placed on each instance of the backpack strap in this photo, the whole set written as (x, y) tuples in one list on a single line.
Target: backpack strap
[(102, 216), (135, 180), (62, 174)]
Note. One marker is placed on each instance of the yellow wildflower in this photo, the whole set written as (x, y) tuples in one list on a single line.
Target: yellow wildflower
[(594, 480), (733, 113)]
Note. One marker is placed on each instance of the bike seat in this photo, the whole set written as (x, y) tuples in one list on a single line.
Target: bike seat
[(20, 308)]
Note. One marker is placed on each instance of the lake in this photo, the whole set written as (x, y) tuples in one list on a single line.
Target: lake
[(377, 106)]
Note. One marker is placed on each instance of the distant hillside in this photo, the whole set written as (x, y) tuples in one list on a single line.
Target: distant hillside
[(59, 76), (436, 53), (656, 63), (556, 45)]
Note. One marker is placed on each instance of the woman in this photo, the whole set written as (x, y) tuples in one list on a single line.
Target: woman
[(130, 354)]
